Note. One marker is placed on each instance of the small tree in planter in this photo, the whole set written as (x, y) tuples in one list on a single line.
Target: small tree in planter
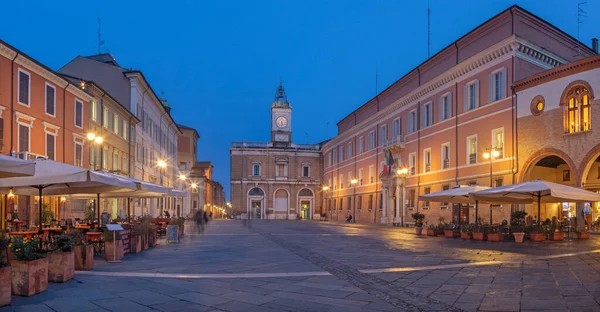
[(61, 260), (113, 249), (29, 268), (84, 251), (5, 272), (418, 217), (517, 225)]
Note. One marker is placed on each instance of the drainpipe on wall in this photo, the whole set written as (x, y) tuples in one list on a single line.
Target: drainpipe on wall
[(143, 97), (129, 149), (65, 122), (456, 131), (12, 100)]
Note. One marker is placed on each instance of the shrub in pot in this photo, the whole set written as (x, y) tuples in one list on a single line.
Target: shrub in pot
[(83, 251), (517, 225), (113, 249), (432, 230), (582, 233), (5, 273), (495, 235), (29, 274), (466, 231), (480, 232), (536, 234), (451, 230), (61, 260), (418, 217), (136, 239)]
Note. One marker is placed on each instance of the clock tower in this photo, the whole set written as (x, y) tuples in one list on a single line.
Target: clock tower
[(281, 119)]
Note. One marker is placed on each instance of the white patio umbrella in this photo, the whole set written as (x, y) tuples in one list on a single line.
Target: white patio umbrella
[(459, 194), (15, 167), (539, 191), (55, 178)]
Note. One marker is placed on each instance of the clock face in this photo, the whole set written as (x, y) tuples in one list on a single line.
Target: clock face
[(281, 122)]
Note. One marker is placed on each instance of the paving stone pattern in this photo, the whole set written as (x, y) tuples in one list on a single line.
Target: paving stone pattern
[(329, 262)]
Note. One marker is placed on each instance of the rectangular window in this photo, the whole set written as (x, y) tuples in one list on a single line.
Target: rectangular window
[(24, 87), (383, 135), (472, 95), (78, 114), (371, 140), (499, 182), (412, 161), (427, 160), (359, 202), (50, 146), (94, 110), (334, 156), (412, 121), (306, 171), (124, 133), (78, 155), (1, 134), (105, 119), (341, 153), (411, 198), (23, 138), (446, 156), (349, 206), (445, 187), (445, 107), (116, 124), (498, 141), (329, 159), (335, 183), (361, 145), (349, 150), (115, 162), (256, 170), (396, 127), (105, 159), (341, 203), (427, 190), (380, 201), (371, 174), (341, 181), (370, 201), (472, 149), (360, 176), (50, 100), (427, 115), (124, 165), (281, 170), (498, 86)]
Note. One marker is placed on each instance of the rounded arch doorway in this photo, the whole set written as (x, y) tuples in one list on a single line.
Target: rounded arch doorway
[(256, 200), (306, 199), (280, 204)]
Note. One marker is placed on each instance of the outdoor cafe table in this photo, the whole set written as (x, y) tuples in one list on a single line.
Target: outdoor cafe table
[(25, 234), (17, 223), (47, 230), (82, 226), (93, 236)]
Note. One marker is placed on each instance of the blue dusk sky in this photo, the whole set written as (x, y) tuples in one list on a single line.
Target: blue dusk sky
[(219, 62)]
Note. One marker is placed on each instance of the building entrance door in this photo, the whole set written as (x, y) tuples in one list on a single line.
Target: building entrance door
[(256, 209), (305, 209), (460, 213)]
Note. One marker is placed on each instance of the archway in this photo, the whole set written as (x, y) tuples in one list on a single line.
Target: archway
[(306, 201), (554, 168), (590, 180), (280, 204), (256, 203)]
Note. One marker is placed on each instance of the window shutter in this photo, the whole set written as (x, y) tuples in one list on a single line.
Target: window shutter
[(449, 105), (505, 82), (465, 98), (476, 93), (491, 90)]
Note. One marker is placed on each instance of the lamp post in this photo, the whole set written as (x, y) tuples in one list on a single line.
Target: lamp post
[(98, 140), (182, 178), (325, 189), (493, 153), (161, 166), (353, 182), (62, 204), (400, 176)]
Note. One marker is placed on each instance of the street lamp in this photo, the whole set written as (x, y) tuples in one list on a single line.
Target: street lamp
[(92, 137), (324, 196), (353, 182), (161, 166), (493, 153), (401, 174)]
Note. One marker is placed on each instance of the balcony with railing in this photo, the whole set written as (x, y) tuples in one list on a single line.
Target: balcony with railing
[(28, 155), (446, 164), (427, 167), (412, 170), (472, 158), (396, 143)]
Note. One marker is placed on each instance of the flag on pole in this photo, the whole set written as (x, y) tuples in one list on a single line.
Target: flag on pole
[(385, 163), (390, 162)]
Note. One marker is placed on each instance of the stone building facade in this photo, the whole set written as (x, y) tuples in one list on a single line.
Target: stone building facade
[(278, 179)]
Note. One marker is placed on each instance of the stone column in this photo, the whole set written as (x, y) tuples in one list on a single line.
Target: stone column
[(399, 199), (580, 215), (384, 216)]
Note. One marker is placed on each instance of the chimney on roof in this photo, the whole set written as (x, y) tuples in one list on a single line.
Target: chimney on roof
[(595, 44)]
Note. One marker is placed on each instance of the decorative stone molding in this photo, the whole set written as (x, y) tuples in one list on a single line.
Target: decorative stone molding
[(24, 119), (40, 70), (50, 128)]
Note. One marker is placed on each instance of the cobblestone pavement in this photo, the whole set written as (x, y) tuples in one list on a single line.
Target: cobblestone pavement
[(317, 266)]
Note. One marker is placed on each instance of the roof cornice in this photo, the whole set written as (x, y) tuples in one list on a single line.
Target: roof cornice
[(557, 73), (40, 70)]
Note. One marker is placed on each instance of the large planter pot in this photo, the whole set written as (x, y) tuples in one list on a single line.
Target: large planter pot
[(136, 244), (451, 233), (519, 237), (5, 285), (479, 236), (439, 232), (431, 232), (537, 237), (495, 237), (84, 257), (113, 250), (583, 235), (29, 277), (151, 239), (557, 236), (61, 266), (419, 230), (465, 235), (144, 238)]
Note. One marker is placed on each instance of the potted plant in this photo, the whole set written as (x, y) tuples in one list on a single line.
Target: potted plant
[(537, 234), (495, 234), (480, 232), (582, 233), (136, 239), (5, 272), (451, 230), (61, 260), (418, 217), (466, 231), (557, 235), (29, 268), (517, 225), (82, 250), (47, 214), (432, 230), (113, 249)]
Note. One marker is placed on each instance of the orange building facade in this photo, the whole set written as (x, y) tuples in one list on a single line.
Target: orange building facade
[(42, 116), (450, 121)]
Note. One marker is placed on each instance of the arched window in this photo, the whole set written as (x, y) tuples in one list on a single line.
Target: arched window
[(578, 110), (256, 192), (305, 192)]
